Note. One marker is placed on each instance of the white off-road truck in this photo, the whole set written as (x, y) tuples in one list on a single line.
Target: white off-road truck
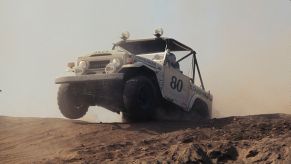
[(136, 77)]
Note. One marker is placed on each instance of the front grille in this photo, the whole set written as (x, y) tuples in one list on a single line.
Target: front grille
[(98, 64)]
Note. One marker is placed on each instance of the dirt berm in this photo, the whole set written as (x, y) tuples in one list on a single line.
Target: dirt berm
[(248, 139)]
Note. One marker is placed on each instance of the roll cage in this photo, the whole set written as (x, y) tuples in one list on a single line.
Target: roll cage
[(161, 44)]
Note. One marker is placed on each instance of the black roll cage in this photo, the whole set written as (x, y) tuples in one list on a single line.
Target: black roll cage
[(194, 65), (161, 44)]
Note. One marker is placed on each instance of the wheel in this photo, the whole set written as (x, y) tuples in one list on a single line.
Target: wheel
[(140, 99), (71, 104), (200, 109)]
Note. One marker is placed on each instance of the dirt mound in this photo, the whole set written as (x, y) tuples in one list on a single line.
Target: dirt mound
[(248, 139)]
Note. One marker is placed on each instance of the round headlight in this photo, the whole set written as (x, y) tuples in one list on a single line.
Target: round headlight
[(125, 35), (82, 64), (159, 32), (116, 62), (110, 68)]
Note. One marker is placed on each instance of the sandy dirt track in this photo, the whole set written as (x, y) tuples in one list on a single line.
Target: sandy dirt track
[(248, 139)]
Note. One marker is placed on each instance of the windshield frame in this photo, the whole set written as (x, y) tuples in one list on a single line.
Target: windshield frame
[(153, 45)]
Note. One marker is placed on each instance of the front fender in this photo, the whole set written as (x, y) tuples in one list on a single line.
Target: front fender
[(196, 96), (136, 64), (139, 65)]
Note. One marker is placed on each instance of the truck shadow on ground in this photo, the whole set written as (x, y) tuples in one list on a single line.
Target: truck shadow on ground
[(164, 126), (170, 126)]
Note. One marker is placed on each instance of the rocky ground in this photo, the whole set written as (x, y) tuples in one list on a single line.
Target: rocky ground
[(246, 139)]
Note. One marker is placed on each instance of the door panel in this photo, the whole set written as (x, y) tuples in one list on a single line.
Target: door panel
[(176, 86)]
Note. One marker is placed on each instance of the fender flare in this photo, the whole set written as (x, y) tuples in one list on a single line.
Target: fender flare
[(137, 65), (193, 98), (133, 69)]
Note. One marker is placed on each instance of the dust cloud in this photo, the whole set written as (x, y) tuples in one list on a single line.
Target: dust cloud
[(251, 76)]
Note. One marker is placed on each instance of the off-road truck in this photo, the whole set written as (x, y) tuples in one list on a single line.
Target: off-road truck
[(136, 78)]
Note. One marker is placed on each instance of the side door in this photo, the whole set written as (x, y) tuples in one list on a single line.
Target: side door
[(176, 86)]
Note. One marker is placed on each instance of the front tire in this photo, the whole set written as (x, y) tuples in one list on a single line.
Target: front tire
[(140, 99), (71, 104)]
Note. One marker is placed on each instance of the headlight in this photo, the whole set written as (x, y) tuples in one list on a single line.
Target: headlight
[(82, 64), (113, 65), (125, 35), (116, 62), (110, 68), (159, 32)]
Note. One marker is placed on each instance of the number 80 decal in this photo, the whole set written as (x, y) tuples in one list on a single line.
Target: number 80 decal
[(176, 84)]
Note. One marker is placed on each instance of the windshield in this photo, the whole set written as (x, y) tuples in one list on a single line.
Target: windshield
[(147, 46), (154, 56)]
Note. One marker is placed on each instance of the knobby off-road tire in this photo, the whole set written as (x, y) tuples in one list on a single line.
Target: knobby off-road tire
[(200, 110), (140, 99), (71, 104)]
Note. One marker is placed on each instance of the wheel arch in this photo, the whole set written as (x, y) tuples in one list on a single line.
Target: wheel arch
[(130, 72), (198, 99), (203, 106)]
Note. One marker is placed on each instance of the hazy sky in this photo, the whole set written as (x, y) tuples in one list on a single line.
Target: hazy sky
[(244, 47)]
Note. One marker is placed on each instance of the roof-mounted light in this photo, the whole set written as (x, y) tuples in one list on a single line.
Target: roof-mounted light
[(159, 32), (125, 35)]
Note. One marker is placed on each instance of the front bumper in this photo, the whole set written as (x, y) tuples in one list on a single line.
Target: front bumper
[(89, 78)]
